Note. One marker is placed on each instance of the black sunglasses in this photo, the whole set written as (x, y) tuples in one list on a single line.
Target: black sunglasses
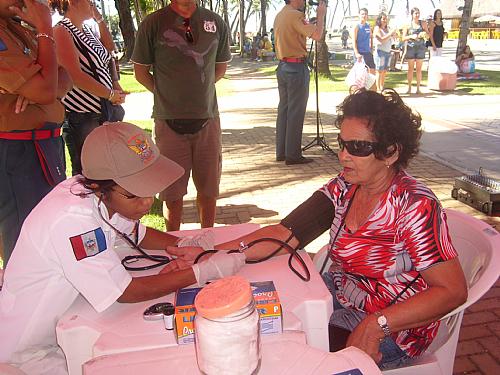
[(357, 148), (189, 32)]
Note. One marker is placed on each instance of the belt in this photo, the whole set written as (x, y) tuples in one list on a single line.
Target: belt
[(293, 59), (31, 135)]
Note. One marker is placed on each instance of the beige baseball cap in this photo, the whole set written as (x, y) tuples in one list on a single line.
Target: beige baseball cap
[(126, 154)]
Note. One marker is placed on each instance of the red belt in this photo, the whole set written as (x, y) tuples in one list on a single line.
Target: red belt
[(31, 135), (293, 59), (35, 136)]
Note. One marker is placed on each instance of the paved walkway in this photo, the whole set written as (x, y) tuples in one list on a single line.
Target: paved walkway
[(256, 188)]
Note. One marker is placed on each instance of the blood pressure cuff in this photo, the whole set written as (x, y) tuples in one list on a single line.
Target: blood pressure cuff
[(309, 220)]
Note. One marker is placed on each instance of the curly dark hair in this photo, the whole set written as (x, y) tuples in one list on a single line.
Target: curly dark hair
[(391, 121), (61, 6)]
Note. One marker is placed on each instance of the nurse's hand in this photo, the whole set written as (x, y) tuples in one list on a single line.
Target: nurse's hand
[(187, 254), (219, 265), (176, 265)]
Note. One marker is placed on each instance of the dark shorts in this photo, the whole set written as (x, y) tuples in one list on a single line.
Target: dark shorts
[(415, 52), (368, 57), (199, 153)]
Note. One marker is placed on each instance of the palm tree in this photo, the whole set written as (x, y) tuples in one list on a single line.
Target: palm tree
[(126, 27), (464, 26), (263, 6), (323, 61), (225, 16), (242, 25)]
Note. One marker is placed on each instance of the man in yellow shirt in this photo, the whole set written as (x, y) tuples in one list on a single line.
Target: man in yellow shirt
[(291, 30)]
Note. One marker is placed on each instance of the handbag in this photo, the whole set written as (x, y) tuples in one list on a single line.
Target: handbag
[(359, 77), (111, 112)]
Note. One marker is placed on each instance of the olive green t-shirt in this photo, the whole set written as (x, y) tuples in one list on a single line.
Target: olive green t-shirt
[(183, 71)]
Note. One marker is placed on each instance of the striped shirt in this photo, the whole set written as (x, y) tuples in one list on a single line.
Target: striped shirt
[(78, 100)]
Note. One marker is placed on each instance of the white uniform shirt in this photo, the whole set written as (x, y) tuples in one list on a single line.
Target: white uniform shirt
[(44, 275)]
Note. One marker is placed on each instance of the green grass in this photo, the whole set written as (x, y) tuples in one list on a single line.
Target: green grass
[(130, 84), (128, 81), (489, 86), (155, 217)]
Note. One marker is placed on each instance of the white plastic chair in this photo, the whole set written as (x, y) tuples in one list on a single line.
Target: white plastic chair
[(478, 247)]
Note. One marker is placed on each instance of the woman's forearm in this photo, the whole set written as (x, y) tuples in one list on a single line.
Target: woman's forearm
[(87, 83), (447, 290)]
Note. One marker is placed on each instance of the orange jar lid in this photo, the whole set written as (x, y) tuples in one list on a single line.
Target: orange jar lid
[(223, 297)]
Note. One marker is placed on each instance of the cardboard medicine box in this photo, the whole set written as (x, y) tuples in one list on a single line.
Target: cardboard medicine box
[(266, 300)]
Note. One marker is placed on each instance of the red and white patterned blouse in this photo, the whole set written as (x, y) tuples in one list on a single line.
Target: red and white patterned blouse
[(406, 233)]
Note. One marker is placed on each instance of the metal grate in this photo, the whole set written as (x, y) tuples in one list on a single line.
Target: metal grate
[(478, 191)]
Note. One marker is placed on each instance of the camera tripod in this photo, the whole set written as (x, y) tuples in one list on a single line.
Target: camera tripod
[(319, 139)]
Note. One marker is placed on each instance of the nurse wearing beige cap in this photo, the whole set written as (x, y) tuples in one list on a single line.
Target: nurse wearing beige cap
[(65, 248)]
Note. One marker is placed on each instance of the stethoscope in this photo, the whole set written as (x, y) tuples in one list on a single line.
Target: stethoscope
[(161, 260)]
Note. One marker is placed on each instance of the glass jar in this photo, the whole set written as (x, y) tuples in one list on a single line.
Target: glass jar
[(227, 334)]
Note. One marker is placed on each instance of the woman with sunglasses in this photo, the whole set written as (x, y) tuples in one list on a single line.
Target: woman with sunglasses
[(392, 256), (87, 56)]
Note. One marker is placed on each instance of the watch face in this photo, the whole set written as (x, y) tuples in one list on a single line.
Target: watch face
[(381, 320)]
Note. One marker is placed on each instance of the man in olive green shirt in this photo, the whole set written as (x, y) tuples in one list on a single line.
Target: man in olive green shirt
[(180, 52)]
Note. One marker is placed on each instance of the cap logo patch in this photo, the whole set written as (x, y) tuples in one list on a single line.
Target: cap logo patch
[(141, 147)]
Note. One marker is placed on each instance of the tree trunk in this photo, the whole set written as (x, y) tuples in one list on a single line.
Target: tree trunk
[(333, 15), (126, 27), (464, 26), (247, 16), (263, 5), (138, 12), (242, 26), (392, 5), (235, 26), (225, 15), (323, 63)]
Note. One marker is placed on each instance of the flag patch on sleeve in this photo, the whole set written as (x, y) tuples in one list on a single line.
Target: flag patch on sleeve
[(88, 244)]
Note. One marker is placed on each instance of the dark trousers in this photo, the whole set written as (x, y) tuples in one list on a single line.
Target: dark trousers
[(76, 127), (293, 87), (23, 183)]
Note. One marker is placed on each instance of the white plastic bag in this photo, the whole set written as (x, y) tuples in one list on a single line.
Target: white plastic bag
[(359, 77)]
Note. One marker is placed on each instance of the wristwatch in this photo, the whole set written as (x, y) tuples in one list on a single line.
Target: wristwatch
[(382, 322)]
